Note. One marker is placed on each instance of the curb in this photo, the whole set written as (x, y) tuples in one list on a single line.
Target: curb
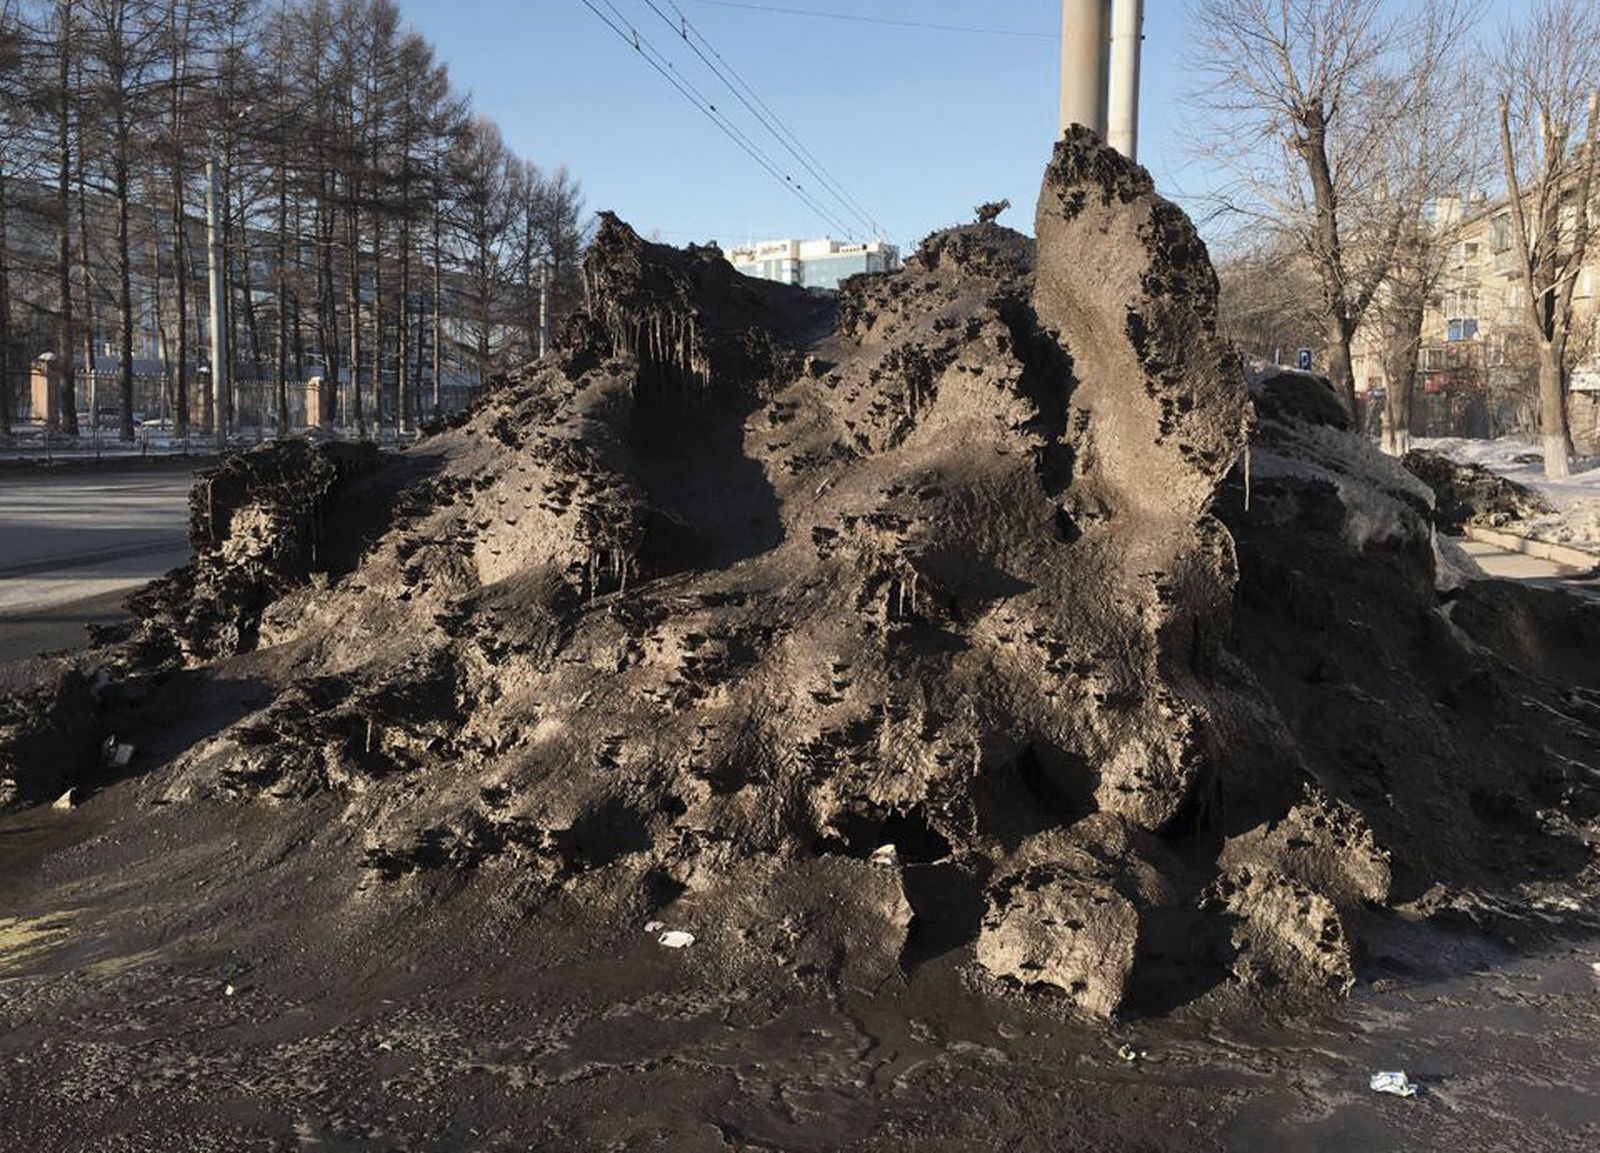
[(1561, 554)]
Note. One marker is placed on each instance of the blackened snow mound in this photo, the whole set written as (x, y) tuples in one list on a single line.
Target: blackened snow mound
[(748, 583)]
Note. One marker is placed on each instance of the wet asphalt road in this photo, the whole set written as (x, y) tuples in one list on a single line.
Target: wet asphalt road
[(75, 540)]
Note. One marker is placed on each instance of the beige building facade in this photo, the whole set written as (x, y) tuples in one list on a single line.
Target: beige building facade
[(1478, 363)]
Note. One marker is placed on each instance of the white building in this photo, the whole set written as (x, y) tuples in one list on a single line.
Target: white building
[(813, 263)]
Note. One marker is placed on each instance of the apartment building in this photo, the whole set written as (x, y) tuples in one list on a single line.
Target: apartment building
[(1478, 351), (821, 263)]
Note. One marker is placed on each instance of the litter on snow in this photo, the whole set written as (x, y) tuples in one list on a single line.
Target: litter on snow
[(1397, 1084)]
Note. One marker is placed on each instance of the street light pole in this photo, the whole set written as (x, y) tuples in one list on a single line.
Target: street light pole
[(219, 306), (1127, 34), (1085, 52)]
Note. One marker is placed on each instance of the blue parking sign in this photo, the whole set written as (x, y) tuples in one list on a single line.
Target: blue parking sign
[(1303, 359)]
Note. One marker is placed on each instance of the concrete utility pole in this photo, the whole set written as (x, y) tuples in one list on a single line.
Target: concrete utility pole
[(1127, 35), (1085, 62), (219, 307)]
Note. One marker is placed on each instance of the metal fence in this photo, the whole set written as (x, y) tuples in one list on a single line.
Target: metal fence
[(253, 416)]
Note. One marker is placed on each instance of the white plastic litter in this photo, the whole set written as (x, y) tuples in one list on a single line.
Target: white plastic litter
[(654, 926), (675, 939), (885, 857), (1397, 1084)]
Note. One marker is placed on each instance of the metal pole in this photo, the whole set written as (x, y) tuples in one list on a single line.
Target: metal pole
[(1127, 36), (544, 309), (1085, 61), (219, 307)]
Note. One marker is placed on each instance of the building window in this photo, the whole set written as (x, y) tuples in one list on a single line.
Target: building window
[(1461, 314), (1500, 234)]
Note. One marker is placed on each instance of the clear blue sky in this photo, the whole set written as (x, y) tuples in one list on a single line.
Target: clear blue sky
[(918, 125)]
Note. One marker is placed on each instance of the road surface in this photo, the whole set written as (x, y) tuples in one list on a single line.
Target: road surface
[(75, 540), (1498, 562)]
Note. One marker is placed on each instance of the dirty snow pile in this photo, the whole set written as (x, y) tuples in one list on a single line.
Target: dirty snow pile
[(1570, 512), (693, 621)]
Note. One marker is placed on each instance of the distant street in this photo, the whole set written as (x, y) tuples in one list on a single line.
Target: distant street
[(74, 541)]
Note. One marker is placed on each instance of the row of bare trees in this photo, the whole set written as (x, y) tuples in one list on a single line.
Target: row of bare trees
[(1353, 126), (376, 232)]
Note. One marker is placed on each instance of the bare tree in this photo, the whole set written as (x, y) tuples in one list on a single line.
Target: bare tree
[(123, 43), (1289, 79), (1267, 298), (357, 201), (487, 179), (13, 129), (1432, 160), (66, 333), (1549, 71)]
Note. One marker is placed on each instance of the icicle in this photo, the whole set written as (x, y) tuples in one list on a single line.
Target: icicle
[(1247, 476)]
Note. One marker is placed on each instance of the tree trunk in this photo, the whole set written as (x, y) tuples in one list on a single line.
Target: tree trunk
[(180, 265), (327, 305), (1553, 412), (159, 317), (377, 323), (1400, 365), (404, 402), (88, 333), (1341, 317), (438, 310), (282, 357), (230, 333), (66, 396), (1339, 370), (124, 289), (180, 248), (352, 237), (8, 408)]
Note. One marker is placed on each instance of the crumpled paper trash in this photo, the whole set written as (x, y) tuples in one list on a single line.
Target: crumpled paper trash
[(1397, 1084)]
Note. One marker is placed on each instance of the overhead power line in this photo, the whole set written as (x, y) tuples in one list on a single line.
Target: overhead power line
[(857, 18), (653, 57), (767, 117)]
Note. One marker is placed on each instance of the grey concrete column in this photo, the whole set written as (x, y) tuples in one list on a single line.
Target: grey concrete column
[(1085, 62), (1127, 34)]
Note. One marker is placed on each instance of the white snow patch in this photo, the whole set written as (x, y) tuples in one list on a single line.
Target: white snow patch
[(1576, 500)]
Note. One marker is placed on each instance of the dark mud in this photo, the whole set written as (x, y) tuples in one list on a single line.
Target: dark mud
[(1471, 494), (959, 661), (443, 1016)]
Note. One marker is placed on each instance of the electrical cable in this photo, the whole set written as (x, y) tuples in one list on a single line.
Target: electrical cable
[(765, 115), (858, 19), (686, 87), (757, 152), (641, 44)]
